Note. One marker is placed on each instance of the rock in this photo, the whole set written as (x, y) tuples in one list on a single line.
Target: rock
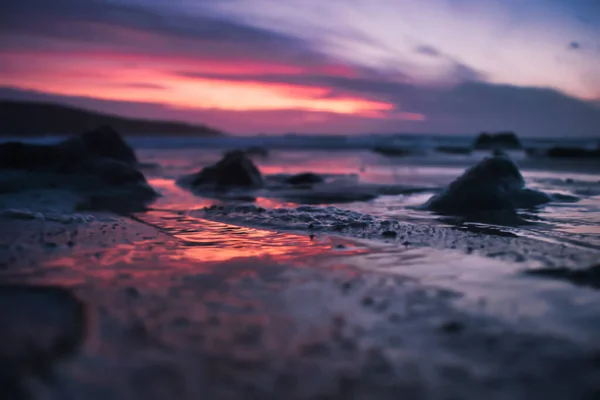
[(389, 234), (494, 184), (453, 150), (97, 163), (103, 142), (34, 157), (305, 178), (392, 151), (69, 155), (113, 172), (500, 140), (235, 170), (39, 325), (572, 152)]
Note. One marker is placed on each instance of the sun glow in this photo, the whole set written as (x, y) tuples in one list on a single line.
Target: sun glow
[(114, 76)]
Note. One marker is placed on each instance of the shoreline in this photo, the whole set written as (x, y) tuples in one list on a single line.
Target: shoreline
[(301, 311), (306, 302)]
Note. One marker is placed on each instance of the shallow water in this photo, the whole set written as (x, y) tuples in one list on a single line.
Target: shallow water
[(274, 299), (577, 222)]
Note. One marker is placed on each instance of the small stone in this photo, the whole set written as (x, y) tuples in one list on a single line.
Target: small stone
[(389, 234), (367, 301), (452, 327)]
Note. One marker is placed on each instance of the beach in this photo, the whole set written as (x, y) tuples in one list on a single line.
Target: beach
[(306, 294)]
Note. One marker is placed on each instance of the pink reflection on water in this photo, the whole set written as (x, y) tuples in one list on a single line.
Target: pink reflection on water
[(185, 245)]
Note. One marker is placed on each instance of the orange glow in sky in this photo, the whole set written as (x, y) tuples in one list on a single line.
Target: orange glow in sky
[(123, 77)]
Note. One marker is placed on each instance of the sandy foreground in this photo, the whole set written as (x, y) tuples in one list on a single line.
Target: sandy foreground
[(181, 307)]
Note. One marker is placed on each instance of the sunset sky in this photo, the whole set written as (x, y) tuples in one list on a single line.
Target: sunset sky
[(314, 66)]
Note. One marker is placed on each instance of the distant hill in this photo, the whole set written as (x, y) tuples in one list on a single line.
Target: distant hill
[(18, 118)]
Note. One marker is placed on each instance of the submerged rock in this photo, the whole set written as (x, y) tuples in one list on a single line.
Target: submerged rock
[(500, 140), (495, 184), (305, 178), (234, 170)]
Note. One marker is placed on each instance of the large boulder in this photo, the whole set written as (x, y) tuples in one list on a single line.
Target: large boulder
[(494, 184), (234, 170), (499, 140), (102, 142), (34, 157), (97, 163)]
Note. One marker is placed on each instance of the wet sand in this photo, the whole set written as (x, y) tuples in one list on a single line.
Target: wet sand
[(184, 307)]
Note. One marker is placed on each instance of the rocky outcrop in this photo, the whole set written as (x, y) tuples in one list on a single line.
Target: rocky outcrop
[(499, 140), (494, 184), (98, 162), (103, 142), (234, 170)]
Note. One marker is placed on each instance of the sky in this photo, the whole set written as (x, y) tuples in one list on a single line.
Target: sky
[(314, 66)]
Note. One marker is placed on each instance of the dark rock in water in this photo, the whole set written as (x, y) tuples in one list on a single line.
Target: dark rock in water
[(389, 234), (113, 172), (97, 161), (495, 184), (69, 155), (39, 325), (305, 178), (589, 277), (392, 151), (453, 150), (103, 142), (34, 157), (235, 170), (572, 152), (500, 140)]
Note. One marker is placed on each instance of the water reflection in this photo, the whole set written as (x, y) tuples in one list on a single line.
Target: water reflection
[(184, 245)]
